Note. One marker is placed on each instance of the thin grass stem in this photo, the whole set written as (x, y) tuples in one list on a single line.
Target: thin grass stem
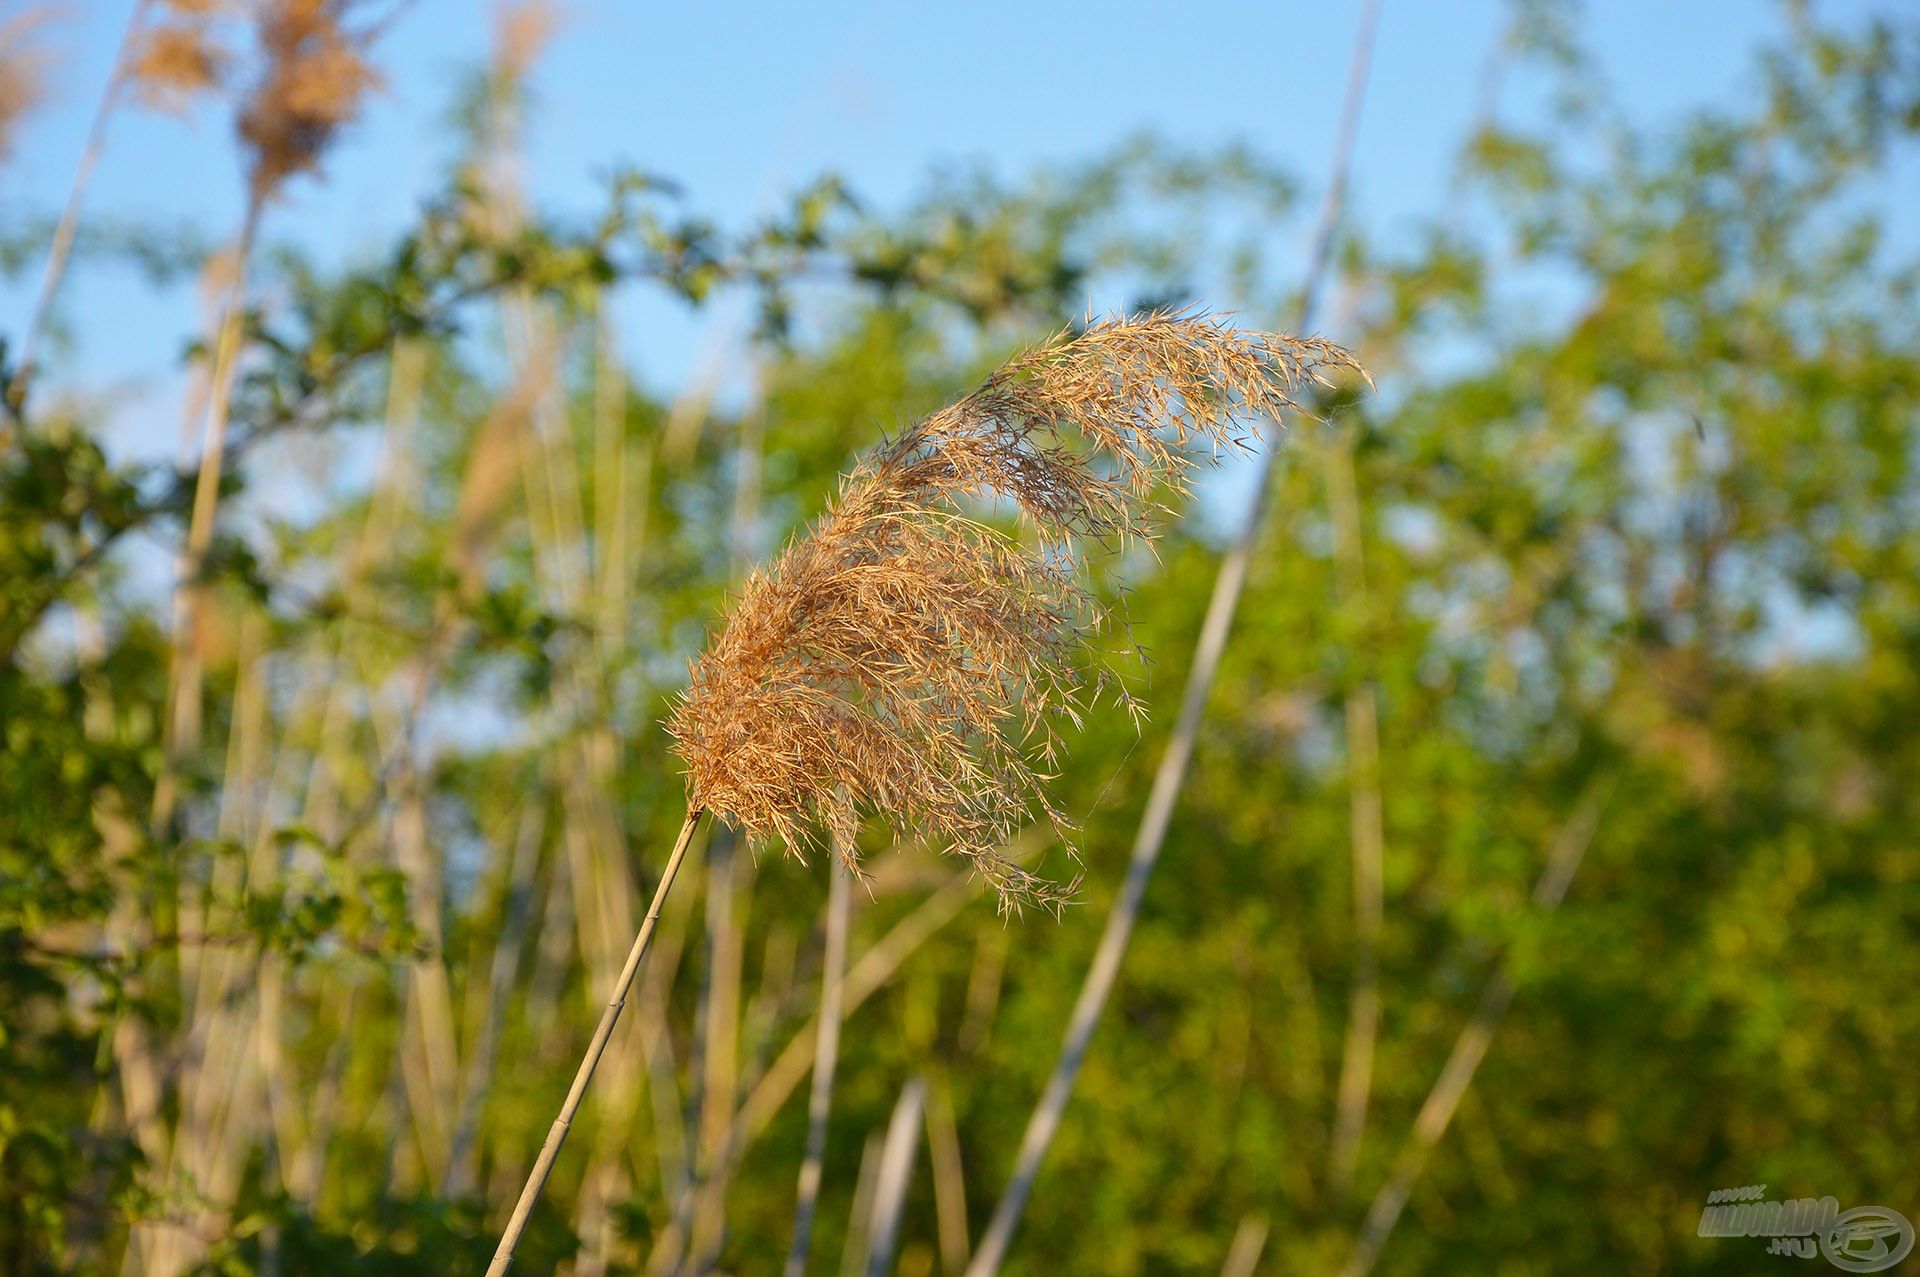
[(1249, 1240), (557, 1134), (1470, 1048), (1368, 836), (60, 251), (896, 1173)]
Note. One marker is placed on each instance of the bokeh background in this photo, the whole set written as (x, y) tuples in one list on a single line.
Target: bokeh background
[(1549, 856)]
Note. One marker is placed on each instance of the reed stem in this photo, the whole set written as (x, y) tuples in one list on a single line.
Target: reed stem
[(896, 1173), (557, 1134), (1171, 775), (1368, 830), (1470, 1048), (60, 252), (826, 1054)]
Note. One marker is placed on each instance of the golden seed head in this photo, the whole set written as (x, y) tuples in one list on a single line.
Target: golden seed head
[(908, 658), (316, 77), (172, 63)]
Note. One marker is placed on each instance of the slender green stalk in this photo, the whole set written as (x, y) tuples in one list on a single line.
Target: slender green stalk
[(853, 1247), (1368, 833), (949, 1176), (1436, 1114)]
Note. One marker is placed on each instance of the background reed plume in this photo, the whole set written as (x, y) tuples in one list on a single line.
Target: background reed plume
[(907, 657), (22, 72)]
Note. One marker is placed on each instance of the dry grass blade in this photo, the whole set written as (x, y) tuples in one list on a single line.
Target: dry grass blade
[(911, 659)]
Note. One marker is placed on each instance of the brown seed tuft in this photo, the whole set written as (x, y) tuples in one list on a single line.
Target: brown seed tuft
[(174, 62), (22, 71), (521, 31), (908, 658), (316, 76)]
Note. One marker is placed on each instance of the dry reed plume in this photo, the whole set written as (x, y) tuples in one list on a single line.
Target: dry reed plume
[(316, 76), (907, 657), (22, 72), (177, 59)]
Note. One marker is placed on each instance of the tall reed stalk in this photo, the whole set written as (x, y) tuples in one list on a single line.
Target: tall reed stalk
[(313, 78), (894, 1176), (622, 985), (60, 251), (1470, 1048), (1248, 1241), (182, 724), (1367, 830), (231, 1078), (1171, 774)]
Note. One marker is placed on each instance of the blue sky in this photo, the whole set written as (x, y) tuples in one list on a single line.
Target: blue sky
[(740, 101)]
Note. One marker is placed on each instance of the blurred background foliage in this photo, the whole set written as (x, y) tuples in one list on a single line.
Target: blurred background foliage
[(1627, 543)]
